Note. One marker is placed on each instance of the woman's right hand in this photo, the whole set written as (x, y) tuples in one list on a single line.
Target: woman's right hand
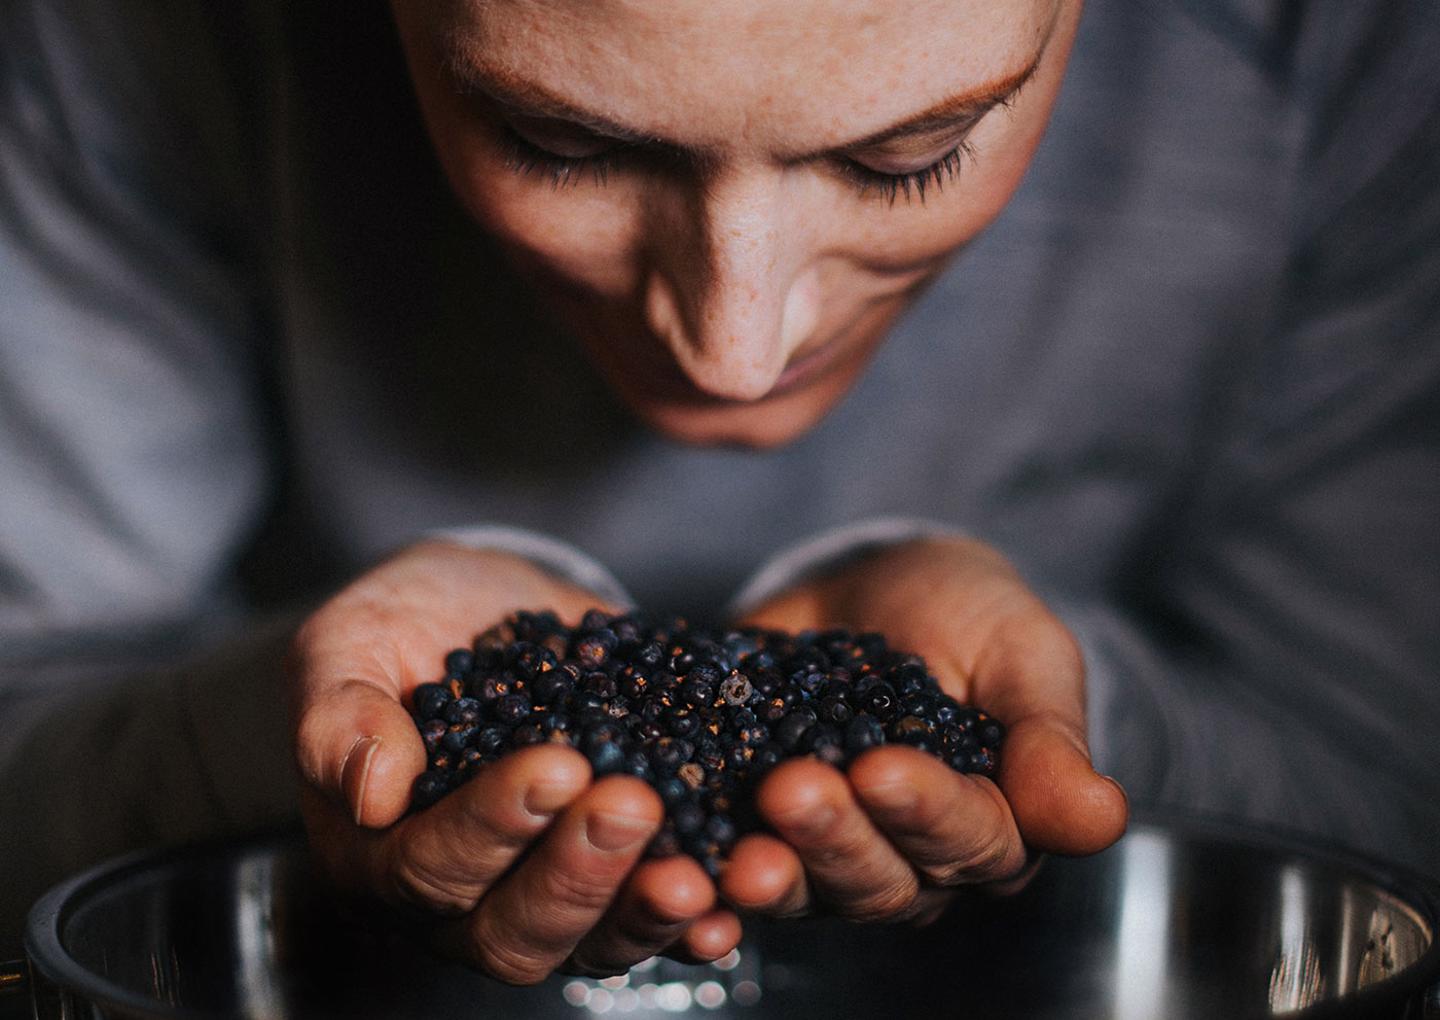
[(530, 866)]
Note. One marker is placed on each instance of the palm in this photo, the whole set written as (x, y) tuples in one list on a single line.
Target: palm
[(990, 641)]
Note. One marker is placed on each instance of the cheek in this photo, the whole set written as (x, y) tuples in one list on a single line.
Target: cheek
[(910, 235), (583, 235), (587, 239)]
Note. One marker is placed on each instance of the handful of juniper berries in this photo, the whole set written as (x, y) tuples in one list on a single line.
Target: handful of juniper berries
[(701, 716)]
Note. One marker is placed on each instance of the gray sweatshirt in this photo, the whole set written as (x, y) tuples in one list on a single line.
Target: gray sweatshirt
[(1189, 382)]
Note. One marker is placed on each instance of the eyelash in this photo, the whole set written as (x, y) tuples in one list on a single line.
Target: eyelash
[(891, 186), (526, 158)]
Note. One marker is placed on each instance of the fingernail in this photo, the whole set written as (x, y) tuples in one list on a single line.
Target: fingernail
[(897, 798), (613, 833), (355, 774)]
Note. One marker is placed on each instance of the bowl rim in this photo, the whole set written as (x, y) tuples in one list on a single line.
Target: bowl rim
[(47, 919)]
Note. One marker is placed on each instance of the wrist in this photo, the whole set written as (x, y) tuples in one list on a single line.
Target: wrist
[(830, 551), (554, 558)]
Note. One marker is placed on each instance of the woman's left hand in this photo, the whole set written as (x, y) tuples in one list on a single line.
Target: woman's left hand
[(892, 838)]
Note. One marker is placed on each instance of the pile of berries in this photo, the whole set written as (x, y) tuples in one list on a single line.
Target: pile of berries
[(700, 716)]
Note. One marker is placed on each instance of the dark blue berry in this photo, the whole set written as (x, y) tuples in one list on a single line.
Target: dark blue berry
[(550, 686), (463, 710), (683, 724), (490, 739), (605, 758), (430, 787), (687, 817), (430, 700), (459, 737), (700, 717), (721, 829), (433, 732), (790, 730), (512, 708), (593, 650), (879, 701), (695, 692), (863, 733), (459, 662)]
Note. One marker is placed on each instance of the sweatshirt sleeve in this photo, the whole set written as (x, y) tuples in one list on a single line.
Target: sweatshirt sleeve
[(1279, 661)]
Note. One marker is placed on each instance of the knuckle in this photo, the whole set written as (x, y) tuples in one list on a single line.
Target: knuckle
[(508, 963), (990, 859), (499, 815), (943, 873), (887, 903), (309, 743), (648, 925), (577, 890), (415, 883), (1068, 651), (601, 963)]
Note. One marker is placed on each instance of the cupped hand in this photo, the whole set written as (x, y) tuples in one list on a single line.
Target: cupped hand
[(893, 837), (530, 866)]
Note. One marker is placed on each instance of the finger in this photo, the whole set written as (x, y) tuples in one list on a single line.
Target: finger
[(953, 829), (708, 938), (357, 657), (661, 899), (930, 905), (534, 918), (1034, 861), (849, 863), (765, 875), (446, 857), (1031, 676), (356, 745)]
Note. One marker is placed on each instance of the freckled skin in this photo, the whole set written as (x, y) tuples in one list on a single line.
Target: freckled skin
[(734, 295)]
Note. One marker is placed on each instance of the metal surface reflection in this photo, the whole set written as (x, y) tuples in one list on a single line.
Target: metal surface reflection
[(658, 987), (1142, 942), (1168, 923), (1296, 980)]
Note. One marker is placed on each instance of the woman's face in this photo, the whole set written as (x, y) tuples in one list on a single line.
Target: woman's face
[(729, 203)]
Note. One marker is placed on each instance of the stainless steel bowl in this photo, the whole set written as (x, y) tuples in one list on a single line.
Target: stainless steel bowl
[(1174, 921)]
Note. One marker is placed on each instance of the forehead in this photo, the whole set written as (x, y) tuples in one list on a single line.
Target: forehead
[(711, 71)]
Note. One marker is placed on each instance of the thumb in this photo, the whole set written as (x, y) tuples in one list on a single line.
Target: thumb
[(1032, 678), (1061, 804), (798, 608), (357, 745)]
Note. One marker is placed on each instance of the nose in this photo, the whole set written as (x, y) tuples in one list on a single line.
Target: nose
[(728, 292)]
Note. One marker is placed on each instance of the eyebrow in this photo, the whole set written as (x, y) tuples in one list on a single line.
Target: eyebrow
[(532, 99), (529, 98), (963, 106)]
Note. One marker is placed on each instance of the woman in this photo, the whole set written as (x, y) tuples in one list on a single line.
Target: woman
[(1162, 382)]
